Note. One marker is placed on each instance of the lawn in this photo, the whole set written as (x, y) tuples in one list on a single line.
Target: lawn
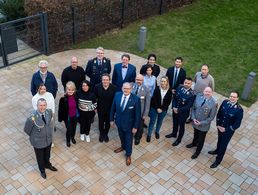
[(221, 33)]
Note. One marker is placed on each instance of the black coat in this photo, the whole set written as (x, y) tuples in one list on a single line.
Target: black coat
[(156, 99), (180, 78), (63, 108)]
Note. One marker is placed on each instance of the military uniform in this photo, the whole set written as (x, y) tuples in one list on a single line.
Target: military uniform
[(40, 133), (95, 69), (183, 101), (204, 110), (229, 116)]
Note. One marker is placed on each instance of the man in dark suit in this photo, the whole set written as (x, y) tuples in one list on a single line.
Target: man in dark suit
[(143, 93), (98, 66), (123, 72), (181, 104), (176, 74), (229, 119), (39, 126), (105, 93), (126, 112)]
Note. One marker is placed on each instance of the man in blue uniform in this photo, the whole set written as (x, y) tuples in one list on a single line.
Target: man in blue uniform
[(97, 66), (181, 104), (229, 119)]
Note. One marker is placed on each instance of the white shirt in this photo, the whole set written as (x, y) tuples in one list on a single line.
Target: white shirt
[(124, 71), (126, 100), (163, 93), (49, 99)]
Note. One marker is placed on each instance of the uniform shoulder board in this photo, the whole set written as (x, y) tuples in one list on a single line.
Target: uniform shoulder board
[(107, 59)]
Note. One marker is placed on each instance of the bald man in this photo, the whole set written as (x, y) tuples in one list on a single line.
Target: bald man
[(73, 73)]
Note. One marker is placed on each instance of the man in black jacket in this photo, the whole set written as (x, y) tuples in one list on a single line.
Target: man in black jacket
[(105, 93), (73, 73)]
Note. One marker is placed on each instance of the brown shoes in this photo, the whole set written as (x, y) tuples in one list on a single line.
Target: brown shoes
[(118, 150), (128, 160)]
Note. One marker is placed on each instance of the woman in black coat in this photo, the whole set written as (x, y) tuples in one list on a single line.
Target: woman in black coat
[(87, 105), (68, 112), (159, 105)]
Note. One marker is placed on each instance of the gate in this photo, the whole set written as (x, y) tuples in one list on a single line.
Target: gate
[(23, 39)]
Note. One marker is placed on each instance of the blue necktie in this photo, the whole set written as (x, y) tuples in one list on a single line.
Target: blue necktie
[(123, 104)]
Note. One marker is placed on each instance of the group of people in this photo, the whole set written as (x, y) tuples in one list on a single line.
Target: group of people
[(126, 101)]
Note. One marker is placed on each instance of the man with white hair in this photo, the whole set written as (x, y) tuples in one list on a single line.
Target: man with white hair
[(43, 76), (97, 66)]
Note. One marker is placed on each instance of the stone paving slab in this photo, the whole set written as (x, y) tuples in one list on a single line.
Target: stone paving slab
[(93, 168)]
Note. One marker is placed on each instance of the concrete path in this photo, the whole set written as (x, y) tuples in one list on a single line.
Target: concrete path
[(93, 168)]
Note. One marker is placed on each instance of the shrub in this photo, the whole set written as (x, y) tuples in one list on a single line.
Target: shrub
[(12, 9)]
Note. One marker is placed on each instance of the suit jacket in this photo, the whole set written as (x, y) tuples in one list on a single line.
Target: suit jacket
[(144, 95), (129, 117), (180, 78), (39, 132), (229, 116), (117, 78), (156, 99), (95, 71), (203, 112)]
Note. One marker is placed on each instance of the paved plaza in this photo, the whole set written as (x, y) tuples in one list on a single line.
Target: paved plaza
[(93, 168)]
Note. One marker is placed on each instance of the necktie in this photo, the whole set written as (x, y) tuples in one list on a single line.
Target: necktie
[(137, 88), (175, 78), (123, 104), (100, 63), (124, 66), (203, 102), (43, 118)]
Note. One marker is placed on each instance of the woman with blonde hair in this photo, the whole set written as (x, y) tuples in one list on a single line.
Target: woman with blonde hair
[(159, 105), (68, 112)]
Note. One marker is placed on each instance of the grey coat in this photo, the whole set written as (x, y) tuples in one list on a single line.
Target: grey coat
[(205, 113), (39, 132), (144, 95)]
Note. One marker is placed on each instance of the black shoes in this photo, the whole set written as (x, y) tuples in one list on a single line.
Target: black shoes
[(170, 135), (190, 145), (68, 144), (101, 139), (194, 156), (148, 138), (52, 168), (214, 152), (136, 142), (106, 139), (43, 175), (214, 165), (73, 141), (176, 143), (156, 135)]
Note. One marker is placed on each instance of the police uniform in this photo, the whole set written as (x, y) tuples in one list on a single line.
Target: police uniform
[(229, 116), (183, 101), (95, 69), (40, 133)]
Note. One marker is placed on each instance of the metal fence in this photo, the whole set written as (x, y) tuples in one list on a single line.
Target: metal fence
[(23, 39)]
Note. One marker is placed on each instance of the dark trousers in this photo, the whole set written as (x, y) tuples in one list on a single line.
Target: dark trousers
[(70, 128), (85, 121), (198, 140), (138, 134), (223, 140), (126, 138), (179, 121), (104, 124), (43, 156)]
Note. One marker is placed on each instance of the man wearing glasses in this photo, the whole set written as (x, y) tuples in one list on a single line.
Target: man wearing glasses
[(45, 77), (229, 119), (97, 66)]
